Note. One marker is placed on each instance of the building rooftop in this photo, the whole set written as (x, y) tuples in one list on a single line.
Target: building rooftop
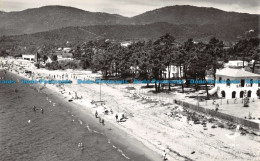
[(235, 73)]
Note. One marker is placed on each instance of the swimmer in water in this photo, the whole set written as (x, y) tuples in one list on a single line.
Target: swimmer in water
[(42, 110), (34, 108), (81, 146)]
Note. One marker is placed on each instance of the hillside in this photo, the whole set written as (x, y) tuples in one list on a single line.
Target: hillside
[(77, 35), (193, 15), (54, 17)]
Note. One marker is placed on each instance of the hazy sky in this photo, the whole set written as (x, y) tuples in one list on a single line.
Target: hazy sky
[(132, 7)]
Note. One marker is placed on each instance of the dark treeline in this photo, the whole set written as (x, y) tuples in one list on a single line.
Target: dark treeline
[(147, 60)]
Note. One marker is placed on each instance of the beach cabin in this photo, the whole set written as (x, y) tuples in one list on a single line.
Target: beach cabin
[(236, 83)]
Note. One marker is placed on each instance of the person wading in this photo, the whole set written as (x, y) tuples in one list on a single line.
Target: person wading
[(42, 110), (34, 108)]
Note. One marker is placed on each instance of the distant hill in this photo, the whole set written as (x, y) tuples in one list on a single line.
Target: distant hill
[(193, 15), (77, 35), (54, 17)]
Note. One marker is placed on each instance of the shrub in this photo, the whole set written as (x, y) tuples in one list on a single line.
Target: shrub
[(53, 65)]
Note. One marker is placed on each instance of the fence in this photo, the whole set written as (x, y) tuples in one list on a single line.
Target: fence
[(219, 114)]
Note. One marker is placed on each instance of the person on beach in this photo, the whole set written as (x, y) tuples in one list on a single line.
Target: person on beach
[(96, 114), (116, 118), (217, 106), (103, 121), (164, 155)]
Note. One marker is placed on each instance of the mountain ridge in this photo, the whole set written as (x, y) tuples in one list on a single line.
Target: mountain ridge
[(182, 22), (79, 34), (53, 17)]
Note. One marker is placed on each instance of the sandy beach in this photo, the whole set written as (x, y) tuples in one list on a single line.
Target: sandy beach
[(149, 123)]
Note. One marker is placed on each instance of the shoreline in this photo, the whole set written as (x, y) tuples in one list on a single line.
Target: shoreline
[(114, 133)]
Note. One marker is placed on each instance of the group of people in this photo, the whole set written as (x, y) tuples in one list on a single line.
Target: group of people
[(101, 120), (120, 117), (81, 146)]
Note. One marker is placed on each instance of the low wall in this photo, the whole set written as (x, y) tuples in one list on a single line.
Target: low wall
[(219, 114), (227, 101)]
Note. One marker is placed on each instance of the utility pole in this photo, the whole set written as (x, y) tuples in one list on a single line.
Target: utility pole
[(100, 90)]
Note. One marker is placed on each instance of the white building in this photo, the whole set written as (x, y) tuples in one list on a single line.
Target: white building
[(66, 50), (65, 57), (236, 64), (28, 57), (126, 43), (241, 82)]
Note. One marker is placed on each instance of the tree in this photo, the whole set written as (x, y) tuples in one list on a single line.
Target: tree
[(44, 58), (4, 53), (143, 61), (161, 57), (246, 48), (168, 51), (54, 57), (102, 59), (254, 51), (77, 53), (183, 59), (215, 49)]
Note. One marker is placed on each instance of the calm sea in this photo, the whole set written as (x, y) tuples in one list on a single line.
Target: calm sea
[(51, 136)]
